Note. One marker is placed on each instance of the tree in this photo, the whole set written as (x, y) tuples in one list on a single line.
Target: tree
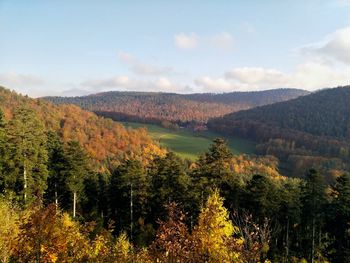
[(3, 152), (95, 204), (214, 235), (339, 225), (27, 160), (9, 229), (170, 183), (129, 195), (212, 168), (76, 171), (313, 206), (172, 242), (47, 235), (57, 165)]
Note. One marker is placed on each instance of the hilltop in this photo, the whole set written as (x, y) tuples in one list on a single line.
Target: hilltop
[(153, 107)]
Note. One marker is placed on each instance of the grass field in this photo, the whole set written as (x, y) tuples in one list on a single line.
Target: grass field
[(188, 144)]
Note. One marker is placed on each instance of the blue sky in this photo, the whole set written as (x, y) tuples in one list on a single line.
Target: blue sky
[(79, 47)]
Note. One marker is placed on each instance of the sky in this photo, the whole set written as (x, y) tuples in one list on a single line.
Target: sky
[(78, 47)]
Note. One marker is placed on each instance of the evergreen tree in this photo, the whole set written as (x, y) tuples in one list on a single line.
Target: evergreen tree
[(313, 201), (213, 168), (3, 151), (261, 197), (27, 160), (129, 196), (76, 171), (57, 165), (339, 225), (95, 205), (170, 183)]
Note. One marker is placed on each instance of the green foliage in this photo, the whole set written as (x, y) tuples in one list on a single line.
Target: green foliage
[(340, 247), (27, 155), (310, 131), (188, 144)]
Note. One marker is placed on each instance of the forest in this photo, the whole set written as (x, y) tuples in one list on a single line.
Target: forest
[(148, 107), (57, 205), (309, 130)]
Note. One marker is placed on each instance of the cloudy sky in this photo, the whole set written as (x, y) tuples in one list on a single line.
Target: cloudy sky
[(76, 47)]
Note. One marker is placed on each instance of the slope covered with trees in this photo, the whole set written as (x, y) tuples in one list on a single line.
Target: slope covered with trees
[(222, 208), (309, 129), (102, 139), (157, 107)]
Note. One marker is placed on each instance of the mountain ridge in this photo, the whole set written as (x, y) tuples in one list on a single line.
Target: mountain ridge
[(156, 107)]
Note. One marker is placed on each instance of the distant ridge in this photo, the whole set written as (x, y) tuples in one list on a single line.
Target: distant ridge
[(155, 107)]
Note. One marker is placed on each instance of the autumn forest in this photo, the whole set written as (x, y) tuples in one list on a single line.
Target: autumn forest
[(174, 131)]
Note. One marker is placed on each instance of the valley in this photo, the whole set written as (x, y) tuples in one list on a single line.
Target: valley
[(175, 131), (189, 144)]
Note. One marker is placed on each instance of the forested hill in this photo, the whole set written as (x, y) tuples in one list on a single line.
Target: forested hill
[(155, 107), (313, 130), (102, 138), (324, 113)]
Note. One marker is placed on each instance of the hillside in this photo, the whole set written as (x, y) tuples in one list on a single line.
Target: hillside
[(316, 125), (156, 107), (102, 138)]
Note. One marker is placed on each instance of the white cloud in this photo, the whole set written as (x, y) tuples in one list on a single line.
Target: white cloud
[(161, 84), (313, 76), (261, 77), (209, 84), (186, 41), (141, 68), (309, 75), (335, 46), (12, 79), (223, 41)]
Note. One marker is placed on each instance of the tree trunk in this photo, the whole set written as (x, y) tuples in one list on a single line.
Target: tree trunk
[(313, 240), (56, 196), (287, 240), (131, 214), (74, 203), (25, 182)]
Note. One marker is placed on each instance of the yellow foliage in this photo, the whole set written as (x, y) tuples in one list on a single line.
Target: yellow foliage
[(8, 229), (123, 248), (214, 233)]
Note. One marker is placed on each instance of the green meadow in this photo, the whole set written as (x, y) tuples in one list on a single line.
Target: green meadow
[(188, 144)]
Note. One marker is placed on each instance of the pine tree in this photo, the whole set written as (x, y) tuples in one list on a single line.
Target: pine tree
[(313, 206), (27, 160), (339, 224), (213, 168), (76, 171), (170, 183), (129, 195), (57, 162), (3, 152)]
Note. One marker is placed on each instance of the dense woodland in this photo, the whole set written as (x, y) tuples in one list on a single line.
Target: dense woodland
[(309, 130), (107, 142), (178, 108), (58, 205)]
